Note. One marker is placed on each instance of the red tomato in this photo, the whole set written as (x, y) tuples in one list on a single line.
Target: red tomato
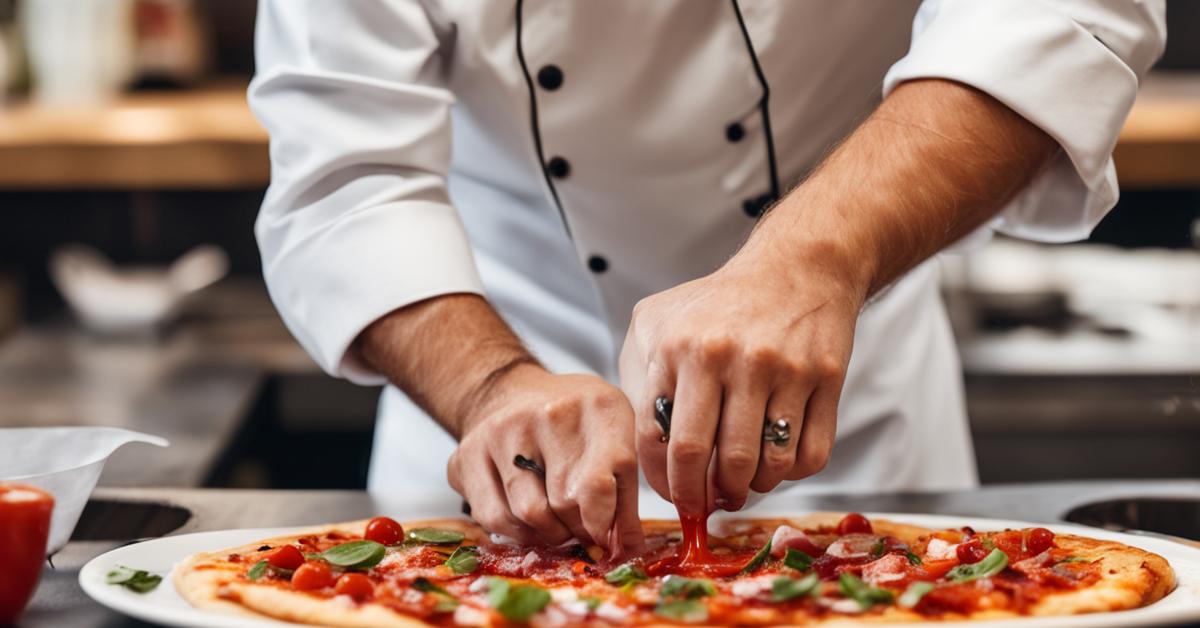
[(971, 551), (854, 523), (285, 557), (1038, 540), (355, 585), (384, 530), (24, 531), (311, 576)]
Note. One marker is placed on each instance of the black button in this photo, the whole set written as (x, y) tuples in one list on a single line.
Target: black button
[(597, 264), (550, 77), (763, 202), (735, 132), (558, 167), (752, 207)]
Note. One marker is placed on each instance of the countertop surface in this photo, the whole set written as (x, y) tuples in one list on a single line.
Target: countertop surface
[(60, 601)]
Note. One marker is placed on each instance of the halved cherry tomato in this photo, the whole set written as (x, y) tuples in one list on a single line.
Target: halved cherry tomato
[(971, 551), (384, 530), (355, 585), (1038, 540), (311, 576), (24, 529), (285, 557), (854, 523)]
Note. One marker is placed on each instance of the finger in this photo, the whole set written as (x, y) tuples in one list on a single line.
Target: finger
[(820, 431), (595, 490), (526, 494), (628, 538), (566, 509), (776, 460), (693, 430), (739, 439), (651, 446), (474, 476)]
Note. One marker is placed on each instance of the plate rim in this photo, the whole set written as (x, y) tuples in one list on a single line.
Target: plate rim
[(1185, 597)]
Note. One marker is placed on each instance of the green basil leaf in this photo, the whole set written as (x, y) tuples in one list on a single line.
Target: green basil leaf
[(355, 554), (784, 588), (446, 601), (435, 536), (913, 594), (516, 602), (987, 543), (991, 565), (464, 560), (1073, 559), (758, 559), (914, 559), (592, 603), (866, 596), (686, 611), (120, 575), (136, 580), (257, 570), (625, 574), (686, 588), (878, 549), (797, 560)]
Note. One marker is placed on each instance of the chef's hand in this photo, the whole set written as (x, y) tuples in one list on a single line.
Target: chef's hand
[(578, 429), (763, 338), (456, 358)]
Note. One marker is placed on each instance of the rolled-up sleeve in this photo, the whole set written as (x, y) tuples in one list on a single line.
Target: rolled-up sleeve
[(356, 221), (1071, 67)]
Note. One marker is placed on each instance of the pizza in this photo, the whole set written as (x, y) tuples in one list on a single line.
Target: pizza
[(817, 569)]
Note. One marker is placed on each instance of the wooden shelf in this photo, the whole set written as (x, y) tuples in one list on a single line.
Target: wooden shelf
[(203, 138), (207, 138)]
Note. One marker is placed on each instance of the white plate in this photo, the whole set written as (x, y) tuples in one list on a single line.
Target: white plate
[(165, 606)]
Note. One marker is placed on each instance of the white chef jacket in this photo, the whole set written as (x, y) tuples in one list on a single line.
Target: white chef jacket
[(568, 158)]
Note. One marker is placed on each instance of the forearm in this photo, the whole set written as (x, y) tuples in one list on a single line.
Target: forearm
[(445, 353), (935, 161)]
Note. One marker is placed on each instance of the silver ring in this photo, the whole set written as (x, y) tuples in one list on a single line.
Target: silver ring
[(778, 432), (662, 414)]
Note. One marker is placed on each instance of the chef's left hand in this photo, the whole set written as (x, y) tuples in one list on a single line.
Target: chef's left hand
[(766, 337)]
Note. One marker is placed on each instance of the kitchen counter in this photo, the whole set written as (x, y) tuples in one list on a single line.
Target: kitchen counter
[(60, 601)]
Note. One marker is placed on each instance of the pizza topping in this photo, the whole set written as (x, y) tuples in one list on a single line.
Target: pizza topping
[(384, 530), (939, 549), (311, 576), (686, 611), (516, 602), (854, 523), (889, 569), (866, 596), (757, 560), (797, 560), (971, 551), (1038, 540), (788, 538), (467, 615), (854, 546), (912, 596), (992, 564), (136, 580), (355, 554), (444, 600), (784, 588), (354, 585), (285, 557), (625, 575), (690, 588), (435, 536), (257, 570), (464, 559)]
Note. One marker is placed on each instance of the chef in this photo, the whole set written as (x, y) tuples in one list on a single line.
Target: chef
[(696, 238)]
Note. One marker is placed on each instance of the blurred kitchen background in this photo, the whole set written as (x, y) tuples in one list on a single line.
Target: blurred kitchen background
[(131, 294)]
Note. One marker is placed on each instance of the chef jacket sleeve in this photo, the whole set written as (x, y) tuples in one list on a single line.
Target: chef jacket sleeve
[(1069, 66), (356, 221)]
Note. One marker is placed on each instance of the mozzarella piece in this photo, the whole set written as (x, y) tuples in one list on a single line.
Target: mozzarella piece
[(853, 546), (939, 549), (466, 615), (612, 612), (752, 587), (889, 568), (786, 537)]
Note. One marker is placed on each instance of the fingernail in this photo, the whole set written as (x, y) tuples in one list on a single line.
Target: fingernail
[(728, 505)]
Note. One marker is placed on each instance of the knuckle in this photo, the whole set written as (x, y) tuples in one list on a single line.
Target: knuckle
[(594, 486), (688, 451), (739, 459), (537, 515), (561, 409), (763, 356), (624, 464), (827, 366), (715, 349)]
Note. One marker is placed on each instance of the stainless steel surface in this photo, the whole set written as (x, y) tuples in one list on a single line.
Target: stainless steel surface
[(60, 602)]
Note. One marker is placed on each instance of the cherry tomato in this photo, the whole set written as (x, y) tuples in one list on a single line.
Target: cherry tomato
[(384, 530), (24, 531), (355, 585), (285, 557), (971, 551), (1038, 540), (311, 576), (854, 523)]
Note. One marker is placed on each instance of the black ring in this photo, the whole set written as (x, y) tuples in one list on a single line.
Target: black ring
[(778, 432), (529, 465), (662, 414)]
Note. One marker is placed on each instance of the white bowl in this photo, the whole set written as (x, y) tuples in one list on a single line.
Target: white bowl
[(65, 462)]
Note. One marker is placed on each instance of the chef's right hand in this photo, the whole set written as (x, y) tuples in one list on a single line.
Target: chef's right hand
[(580, 430)]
